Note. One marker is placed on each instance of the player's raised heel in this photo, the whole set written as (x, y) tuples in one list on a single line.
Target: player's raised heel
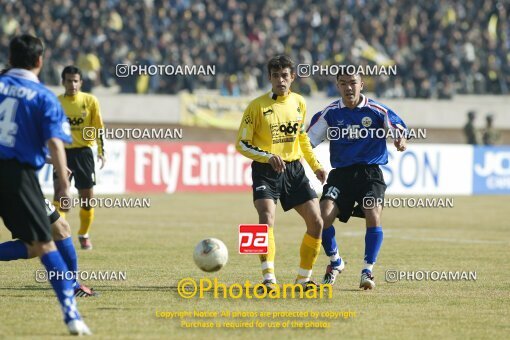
[(78, 327), (332, 273), (367, 280), (85, 243)]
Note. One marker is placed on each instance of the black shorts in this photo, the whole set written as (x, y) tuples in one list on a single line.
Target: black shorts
[(81, 163), (22, 203), (361, 183), (292, 186)]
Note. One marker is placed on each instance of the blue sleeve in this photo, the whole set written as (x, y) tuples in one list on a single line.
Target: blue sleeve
[(55, 122), (314, 120), (396, 121)]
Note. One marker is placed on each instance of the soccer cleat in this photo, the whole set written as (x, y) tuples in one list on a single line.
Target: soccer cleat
[(308, 285), (367, 280), (84, 291), (85, 242), (332, 273), (270, 286), (78, 327)]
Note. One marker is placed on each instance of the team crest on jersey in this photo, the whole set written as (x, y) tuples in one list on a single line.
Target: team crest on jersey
[(299, 116), (366, 121), (84, 112)]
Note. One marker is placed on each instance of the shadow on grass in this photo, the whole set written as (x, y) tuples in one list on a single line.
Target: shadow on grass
[(30, 287), (120, 288)]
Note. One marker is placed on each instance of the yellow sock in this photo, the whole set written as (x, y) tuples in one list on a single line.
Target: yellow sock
[(86, 219), (267, 260), (309, 251), (57, 206)]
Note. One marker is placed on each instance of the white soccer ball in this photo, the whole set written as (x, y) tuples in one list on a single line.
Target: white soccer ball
[(210, 255)]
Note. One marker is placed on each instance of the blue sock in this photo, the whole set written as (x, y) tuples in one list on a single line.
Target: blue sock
[(56, 268), (68, 253), (13, 250), (329, 244), (373, 242)]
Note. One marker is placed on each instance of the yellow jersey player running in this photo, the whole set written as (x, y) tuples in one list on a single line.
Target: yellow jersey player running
[(272, 135), (82, 111)]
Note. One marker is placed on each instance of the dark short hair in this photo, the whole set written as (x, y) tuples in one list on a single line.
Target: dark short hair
[(24, 51), (343, 72), (71, 69), (280, 62)]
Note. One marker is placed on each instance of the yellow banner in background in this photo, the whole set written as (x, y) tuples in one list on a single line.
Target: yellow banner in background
[(212, 110)]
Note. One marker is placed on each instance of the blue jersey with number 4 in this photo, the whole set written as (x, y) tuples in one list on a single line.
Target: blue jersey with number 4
[(30, 115), (358, 135)]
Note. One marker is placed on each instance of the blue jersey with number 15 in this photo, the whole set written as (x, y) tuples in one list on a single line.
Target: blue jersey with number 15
[(30, 115), (357, 135)]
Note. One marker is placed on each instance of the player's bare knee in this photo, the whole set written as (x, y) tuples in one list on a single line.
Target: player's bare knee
[(328, 213), (314, 226), (266, 211), (31, 251), (266, 217), (40, 248), (328, 217), (60, 229)]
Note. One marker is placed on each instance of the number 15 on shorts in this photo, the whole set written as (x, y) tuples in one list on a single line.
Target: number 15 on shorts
[(253, 238)]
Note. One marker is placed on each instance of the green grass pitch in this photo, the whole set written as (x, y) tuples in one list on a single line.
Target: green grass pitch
[(154, 247)]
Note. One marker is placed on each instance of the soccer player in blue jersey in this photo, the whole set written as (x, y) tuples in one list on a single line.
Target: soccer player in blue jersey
[(31, 122), (355, 156)]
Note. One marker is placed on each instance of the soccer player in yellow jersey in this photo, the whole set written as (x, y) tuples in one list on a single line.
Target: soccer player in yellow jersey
[(82, 111), (272, 134)]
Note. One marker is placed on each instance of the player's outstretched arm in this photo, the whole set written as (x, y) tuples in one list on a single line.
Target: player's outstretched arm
[(58, 157)]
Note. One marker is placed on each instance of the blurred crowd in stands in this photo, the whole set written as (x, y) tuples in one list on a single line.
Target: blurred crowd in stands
[(441, 47)]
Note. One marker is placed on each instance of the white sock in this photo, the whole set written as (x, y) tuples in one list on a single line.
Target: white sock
[(368, 266), (306, 273), (270, 276)]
